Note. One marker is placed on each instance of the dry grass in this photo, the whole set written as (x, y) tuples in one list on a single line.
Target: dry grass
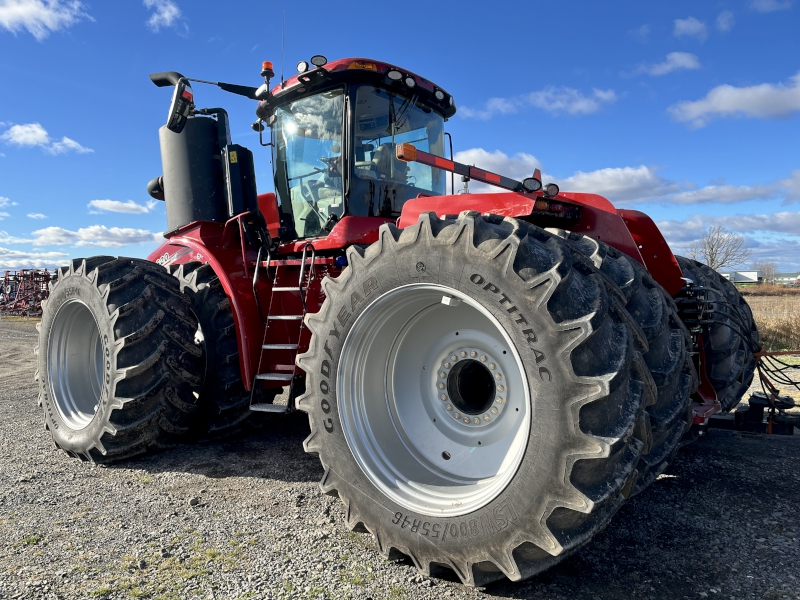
[(778, 320), (769, 290)]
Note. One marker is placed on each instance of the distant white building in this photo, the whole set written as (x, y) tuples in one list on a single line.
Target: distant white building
[(743, 277), (787, 278)]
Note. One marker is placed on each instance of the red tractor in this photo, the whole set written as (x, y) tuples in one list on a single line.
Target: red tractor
[(487, 377)]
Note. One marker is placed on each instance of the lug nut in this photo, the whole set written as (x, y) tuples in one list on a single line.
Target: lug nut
[(463, 354), (441, 386), (466, 419), (473, 354), (483, 359), (442, 374), (476, 420), (443, 396), (454, 358), (498, 377), (457, 415), (500, 388), (486, 417), (449, 407), (447, 365), (492, 366), (494, 410), (500, 400)]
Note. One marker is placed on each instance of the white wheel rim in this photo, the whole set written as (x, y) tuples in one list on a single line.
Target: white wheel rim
[(75, 364), (403, 434)]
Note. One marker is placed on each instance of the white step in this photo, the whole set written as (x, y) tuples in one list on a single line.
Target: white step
[(279, 346), (285, 289), (275, 376), (270, 408), (285, 317)]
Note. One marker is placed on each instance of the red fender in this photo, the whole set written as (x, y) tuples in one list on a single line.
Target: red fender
[(629, 231)]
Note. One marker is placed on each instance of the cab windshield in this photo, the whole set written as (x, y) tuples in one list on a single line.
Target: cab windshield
[(309, 142), (308, 175), (383, 120)]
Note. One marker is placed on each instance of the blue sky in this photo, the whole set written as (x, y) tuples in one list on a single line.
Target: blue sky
[(688, 111)]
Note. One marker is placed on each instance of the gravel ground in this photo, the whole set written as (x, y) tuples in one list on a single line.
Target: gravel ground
[(245, 519)]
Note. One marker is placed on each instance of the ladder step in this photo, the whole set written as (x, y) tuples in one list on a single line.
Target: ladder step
[(285, 317), (286, 289), (275, 376), (279, 346), (270, 408)]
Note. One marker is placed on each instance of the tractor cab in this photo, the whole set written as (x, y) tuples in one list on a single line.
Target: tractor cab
[(335, 127)]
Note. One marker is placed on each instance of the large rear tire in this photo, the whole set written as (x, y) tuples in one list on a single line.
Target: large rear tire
[(668, 354), (117, 360), (224, 404), (732, 335), (506, 458)]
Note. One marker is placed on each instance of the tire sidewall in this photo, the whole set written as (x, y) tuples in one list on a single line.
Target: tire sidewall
[(75, 286), (552, 384)]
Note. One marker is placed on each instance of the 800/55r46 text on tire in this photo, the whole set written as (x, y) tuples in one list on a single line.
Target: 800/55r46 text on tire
[(476, 396)]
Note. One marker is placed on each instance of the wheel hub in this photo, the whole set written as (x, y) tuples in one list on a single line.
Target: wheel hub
[(470, 387)]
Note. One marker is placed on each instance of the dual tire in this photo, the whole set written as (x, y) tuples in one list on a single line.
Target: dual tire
[(117, 362), (483, 396)]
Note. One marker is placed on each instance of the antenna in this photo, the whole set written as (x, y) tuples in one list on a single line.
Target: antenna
[(283, 45)]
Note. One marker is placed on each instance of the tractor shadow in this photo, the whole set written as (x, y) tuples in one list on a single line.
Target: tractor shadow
[(270, 447)]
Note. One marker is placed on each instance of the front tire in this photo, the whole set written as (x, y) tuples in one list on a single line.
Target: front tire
[(117, 360), (524, 486)]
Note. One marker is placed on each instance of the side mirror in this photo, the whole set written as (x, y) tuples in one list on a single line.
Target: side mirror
[(181, 106)]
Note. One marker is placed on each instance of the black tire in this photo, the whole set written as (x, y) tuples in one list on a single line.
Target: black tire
[(668, 354), (118, 337), (732, 336), (224, 404), (579, 461)]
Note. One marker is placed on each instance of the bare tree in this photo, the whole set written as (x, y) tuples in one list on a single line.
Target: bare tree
[(767, 269), (720, 248)]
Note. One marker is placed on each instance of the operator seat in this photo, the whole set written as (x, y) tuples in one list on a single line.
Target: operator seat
[(383, 159)]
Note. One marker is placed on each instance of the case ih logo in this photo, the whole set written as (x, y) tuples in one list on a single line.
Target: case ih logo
[(168, 259)]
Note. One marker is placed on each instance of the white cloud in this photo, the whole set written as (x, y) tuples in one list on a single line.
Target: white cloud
[(118, 206), (33, 134), (18, 259), (766, 6), (3, 215), (675, 61), (692, 228), (640, 33), (5, 238), (165, 14), (36, 216), (791, 186), (40, 17), (552, 99), (568, 100), (725, 194), (690, 27), (67, 145), (725, 20), (6, 202), (621, 184), (761, 101), (94, 235)]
